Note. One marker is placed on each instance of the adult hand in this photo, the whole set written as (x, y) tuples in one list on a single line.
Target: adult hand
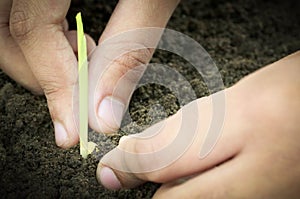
[(121, 57), (37, 51), (256, 156)]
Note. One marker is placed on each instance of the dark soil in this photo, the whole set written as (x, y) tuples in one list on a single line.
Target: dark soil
[(240, 35)]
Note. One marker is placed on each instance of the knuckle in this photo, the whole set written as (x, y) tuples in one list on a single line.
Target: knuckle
[(21, 24), (55, 89), (133, 60), (52, 90), (29, 15)]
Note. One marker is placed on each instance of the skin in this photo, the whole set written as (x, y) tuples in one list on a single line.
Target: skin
[(38, 52), (257, 153)]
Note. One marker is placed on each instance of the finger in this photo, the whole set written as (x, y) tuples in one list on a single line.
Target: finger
[(250, 175), (263, 169), (214, 183), (12, 60), (161, 152), (121, 58), (65, 25), (39, 33), (72, 38)]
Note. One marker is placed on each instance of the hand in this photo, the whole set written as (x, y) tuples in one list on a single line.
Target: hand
[(256, 156), (116, 66), (38, 52)]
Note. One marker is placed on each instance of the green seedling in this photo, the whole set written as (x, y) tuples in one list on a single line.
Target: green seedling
[(85, 146)]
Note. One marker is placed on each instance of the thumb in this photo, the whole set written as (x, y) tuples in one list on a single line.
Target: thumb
[(119, 61), (160, 153), (41, 37)]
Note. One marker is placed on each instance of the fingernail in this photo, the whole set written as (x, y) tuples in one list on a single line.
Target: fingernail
[(109, 180), (61, 136), (111, 112)]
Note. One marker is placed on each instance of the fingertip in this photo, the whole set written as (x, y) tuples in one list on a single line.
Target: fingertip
[(61, 136), (114, 174), (63, 108), (108, 178), (64, 138), (106, 117), (110, 113)]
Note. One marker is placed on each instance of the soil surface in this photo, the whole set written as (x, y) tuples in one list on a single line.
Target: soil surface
[(240, 35)]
